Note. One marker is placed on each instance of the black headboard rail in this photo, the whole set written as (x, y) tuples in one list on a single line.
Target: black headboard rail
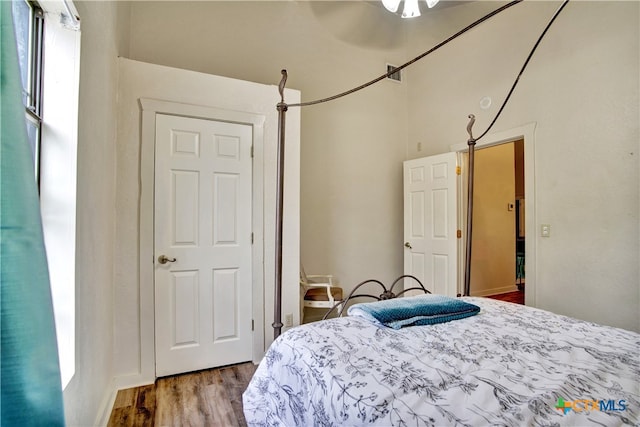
[(386, 293)]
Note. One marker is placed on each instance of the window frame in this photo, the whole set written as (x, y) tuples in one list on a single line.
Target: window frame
[(35, 71), (49, 45)]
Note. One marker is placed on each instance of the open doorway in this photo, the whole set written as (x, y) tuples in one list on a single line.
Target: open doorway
[(498, 247)]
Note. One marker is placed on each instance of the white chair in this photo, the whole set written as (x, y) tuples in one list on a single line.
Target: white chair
[(318, 291)]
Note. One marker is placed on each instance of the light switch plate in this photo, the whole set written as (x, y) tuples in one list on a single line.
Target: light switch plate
[(545, 230)]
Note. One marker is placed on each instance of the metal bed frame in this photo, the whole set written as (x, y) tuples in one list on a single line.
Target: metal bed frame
[(385, 295), (282, 108)]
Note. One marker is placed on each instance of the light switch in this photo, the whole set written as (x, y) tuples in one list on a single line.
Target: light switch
[(545, 230)]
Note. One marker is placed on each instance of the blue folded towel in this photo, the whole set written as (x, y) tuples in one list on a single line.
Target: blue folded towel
[(411, 311)]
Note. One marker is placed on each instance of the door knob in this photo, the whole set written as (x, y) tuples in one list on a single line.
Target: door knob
[(408, 245), (163, 259)]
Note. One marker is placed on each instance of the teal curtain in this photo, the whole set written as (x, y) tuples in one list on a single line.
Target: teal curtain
[(30, 373)]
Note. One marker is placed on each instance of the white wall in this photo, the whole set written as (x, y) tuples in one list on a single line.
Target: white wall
[(352, 149), (133, 314), (58, 183), (582, 90), (86, 396), (351, 219)]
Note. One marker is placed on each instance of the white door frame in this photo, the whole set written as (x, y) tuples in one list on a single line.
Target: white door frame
[(526, 132), (150, 108)]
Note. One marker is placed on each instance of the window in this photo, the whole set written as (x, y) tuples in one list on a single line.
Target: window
[(28, 20), (48, 44)]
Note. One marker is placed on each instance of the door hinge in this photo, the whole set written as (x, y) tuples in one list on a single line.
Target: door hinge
[(252, 324), (458, 170), (459, 234)]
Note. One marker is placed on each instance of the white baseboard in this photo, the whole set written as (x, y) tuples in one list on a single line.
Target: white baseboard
[(109, 397), (494, 291), (130, 381), (116, 384)]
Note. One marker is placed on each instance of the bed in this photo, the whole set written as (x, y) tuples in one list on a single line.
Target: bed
[(508, 365)]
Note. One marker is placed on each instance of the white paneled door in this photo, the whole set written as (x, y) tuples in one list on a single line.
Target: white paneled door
[(202, 249), (430, 222)]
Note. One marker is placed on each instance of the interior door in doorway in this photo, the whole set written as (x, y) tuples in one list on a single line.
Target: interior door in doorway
[(202, 233), (430, 222)]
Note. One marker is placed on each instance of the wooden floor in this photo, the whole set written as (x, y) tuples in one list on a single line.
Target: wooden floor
[(516, 297), (204, 398)]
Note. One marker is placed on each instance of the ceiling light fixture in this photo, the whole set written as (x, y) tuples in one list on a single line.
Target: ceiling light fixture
[(410, 9)]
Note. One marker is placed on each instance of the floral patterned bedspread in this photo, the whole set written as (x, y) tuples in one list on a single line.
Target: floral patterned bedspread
[(509, 365)]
